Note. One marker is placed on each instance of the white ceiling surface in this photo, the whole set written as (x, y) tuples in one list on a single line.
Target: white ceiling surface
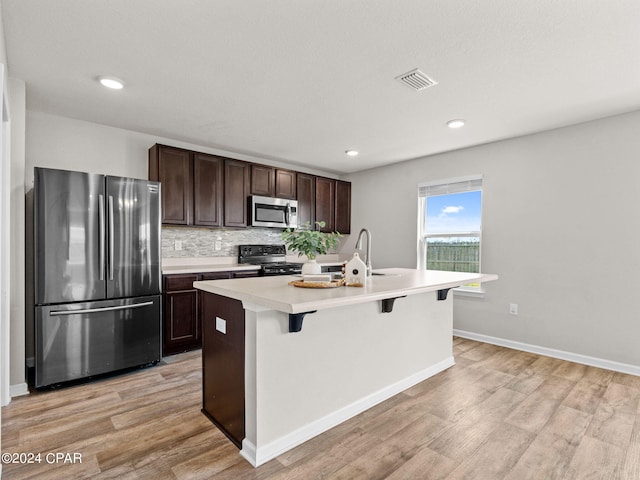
[(301, 81)]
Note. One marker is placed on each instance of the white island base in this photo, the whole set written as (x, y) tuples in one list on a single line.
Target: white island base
[(348, 356)]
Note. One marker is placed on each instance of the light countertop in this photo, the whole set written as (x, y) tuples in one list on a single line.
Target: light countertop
[(205, 268), (275, 293), (172, 266)]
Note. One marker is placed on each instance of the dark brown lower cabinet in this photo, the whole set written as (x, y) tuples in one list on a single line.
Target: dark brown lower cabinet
[(223, 364), (181, 326), (182, 323)]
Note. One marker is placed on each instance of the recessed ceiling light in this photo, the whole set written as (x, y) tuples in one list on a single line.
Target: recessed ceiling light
[(111, 82), (457, 123), (352, 153)]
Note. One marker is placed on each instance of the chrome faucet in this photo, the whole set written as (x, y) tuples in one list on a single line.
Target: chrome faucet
[(367, 258)]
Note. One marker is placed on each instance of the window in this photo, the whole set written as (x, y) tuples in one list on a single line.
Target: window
[(449, 225)]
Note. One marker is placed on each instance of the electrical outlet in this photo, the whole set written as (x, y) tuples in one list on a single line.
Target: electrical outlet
[(218, 244), (513, 308), (178, 245)]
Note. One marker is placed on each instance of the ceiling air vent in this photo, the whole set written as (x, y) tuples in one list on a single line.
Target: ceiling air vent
[(416, 79)]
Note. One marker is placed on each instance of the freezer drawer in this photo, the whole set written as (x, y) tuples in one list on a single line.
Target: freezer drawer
[(80, 340)]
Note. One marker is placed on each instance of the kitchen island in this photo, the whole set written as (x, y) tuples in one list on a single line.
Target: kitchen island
[(282, 364)]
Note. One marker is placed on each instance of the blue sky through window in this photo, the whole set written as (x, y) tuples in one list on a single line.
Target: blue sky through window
[(453, 213)]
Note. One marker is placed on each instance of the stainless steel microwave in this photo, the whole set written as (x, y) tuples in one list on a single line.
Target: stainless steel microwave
[(273, 212)]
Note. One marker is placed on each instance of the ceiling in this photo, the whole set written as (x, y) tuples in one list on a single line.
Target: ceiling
[(301, 81)]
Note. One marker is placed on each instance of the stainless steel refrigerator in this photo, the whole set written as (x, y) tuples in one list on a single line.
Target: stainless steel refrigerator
[(97, 274)]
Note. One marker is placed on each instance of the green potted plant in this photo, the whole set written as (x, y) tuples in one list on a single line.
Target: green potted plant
[(310, 243)]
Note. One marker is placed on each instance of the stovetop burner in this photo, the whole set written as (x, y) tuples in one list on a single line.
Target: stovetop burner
[(280, 264), (272, 259), (281, 268)]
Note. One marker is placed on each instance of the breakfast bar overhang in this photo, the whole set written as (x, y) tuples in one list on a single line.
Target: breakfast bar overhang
[(354, 348)]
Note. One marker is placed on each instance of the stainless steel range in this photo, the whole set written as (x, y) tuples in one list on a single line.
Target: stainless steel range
[(272, 259)]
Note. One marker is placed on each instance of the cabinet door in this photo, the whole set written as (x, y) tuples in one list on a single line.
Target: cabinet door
[(343, 207), (262, 180), (208, 189), (215, 275), (285, 184), (223, 364), (181, 319), (173, 167), (326, 203), (306, 194), (236, 191)]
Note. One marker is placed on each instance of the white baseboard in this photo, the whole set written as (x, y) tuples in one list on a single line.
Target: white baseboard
[(552, 352), (249, 452), (18, 390), (256, 456)]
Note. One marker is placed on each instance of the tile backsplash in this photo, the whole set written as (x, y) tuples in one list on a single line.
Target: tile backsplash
[(203, 242)]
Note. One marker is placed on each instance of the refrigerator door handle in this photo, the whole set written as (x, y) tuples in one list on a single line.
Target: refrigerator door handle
[(56, 313), (111, 239), (101, 240)]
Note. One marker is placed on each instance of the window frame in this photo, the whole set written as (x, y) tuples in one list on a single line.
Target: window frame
[(448, 186)]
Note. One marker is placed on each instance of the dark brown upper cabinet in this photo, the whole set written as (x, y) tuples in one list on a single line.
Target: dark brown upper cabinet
[(208, 189), (173, 167), (326, 203), (263, 180), (286, 184), (333, 204), (236, 190), (273, 182), (306, 193), (343, 207), (192, 185)]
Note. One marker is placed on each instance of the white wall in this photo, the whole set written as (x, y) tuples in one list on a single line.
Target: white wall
[(561, 227), (60, 142), (17, 101), (4, 319)]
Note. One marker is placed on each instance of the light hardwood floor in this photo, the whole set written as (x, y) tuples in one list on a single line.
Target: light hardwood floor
[(497, 414)]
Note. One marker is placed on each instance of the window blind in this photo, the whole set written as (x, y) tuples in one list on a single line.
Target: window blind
[(454, 185)]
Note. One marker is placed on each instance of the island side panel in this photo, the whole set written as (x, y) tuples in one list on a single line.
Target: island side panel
[(343, 359), (223, 365)]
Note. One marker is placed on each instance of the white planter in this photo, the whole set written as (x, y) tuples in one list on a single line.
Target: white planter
[(311, 267)]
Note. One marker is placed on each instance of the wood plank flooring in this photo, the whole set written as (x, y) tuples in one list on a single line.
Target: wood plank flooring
[(497, 414)]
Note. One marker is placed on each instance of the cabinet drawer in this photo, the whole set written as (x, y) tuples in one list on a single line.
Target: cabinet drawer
[(179, 282), (214, 276), (245, 273)]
